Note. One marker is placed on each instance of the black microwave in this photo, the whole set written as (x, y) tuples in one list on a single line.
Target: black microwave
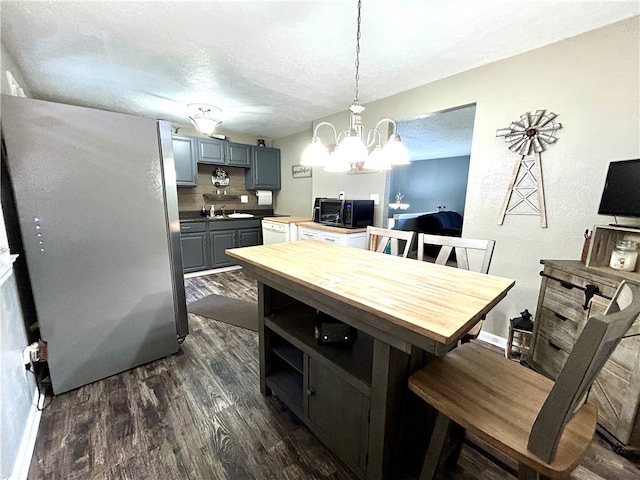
[(345, 213)]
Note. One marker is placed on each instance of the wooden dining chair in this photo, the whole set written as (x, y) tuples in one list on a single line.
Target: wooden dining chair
[(381, 239), (461, 247), (544, 426)]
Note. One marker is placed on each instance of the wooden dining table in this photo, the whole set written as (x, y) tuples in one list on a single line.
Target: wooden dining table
[(398, 306)]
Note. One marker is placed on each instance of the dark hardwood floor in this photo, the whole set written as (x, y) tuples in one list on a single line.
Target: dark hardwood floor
[(199, 414)]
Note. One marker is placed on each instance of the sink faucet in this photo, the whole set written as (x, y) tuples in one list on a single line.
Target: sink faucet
[(222, 208)]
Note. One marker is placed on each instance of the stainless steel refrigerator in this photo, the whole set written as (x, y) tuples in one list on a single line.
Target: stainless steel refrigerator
[(96, 202)]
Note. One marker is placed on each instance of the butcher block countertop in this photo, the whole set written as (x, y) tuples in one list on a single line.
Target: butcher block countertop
[(329, 228), (409, 299), (295, 220)]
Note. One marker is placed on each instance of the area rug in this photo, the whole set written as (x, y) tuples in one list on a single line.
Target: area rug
[(226, 309)]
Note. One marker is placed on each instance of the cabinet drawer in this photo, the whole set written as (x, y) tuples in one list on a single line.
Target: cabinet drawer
[(565, 299), (560, 330), (193, 227), (549, 356)]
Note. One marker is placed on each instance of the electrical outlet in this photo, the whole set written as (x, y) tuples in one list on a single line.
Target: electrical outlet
[(341, 195), (375, 197)]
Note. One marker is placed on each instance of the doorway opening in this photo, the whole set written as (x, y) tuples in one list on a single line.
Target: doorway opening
[(439, 146)]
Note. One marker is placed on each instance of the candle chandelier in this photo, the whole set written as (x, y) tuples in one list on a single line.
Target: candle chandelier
[(350, 150)]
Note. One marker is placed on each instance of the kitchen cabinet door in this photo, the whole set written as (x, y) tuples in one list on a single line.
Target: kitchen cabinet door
[(248, 237), (264, 172), (219, 241), (212, 151), (184, 157), (239, 155), (194, 251), (340, 413)]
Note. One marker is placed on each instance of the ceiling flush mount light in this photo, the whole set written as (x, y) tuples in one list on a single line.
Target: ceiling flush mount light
[(201, 118), (351, 151)]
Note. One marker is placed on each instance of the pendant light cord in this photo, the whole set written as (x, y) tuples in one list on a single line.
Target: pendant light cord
[(358, 54)]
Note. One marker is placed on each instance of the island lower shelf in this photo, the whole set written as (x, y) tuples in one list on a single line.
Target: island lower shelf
[(327, 386)]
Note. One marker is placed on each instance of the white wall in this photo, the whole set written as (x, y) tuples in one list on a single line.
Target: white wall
[(295, 197), (17, 413), (591, 81)]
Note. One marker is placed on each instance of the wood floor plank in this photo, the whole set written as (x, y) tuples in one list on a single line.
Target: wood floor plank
[(199, 415)]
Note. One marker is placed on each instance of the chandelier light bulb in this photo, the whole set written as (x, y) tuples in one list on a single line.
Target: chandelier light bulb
[(395, 152), (377, 160), (336, 163), (352, 150), (315, 155)]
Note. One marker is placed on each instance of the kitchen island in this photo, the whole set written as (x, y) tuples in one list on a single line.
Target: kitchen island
[(351, 395)]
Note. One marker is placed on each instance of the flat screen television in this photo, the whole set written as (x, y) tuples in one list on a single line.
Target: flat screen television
[(621, 194)]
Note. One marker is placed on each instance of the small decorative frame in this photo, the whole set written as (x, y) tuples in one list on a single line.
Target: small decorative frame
[(300, 171)]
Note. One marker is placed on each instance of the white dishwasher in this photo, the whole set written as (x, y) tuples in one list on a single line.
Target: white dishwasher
[(280, 229)]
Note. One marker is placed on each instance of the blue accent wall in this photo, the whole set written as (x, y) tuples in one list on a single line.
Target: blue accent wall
[(426, 184)]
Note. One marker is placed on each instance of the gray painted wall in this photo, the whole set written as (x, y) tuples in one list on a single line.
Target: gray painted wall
[(427, 184)]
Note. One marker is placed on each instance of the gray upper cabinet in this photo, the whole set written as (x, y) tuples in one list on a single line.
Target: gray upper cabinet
[(239, 155), (265, 169), (184, 156), (212, 151)]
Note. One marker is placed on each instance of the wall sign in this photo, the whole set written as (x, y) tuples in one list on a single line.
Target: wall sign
[(300, 171)]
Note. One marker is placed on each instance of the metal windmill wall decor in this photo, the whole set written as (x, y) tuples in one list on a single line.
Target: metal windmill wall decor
[(529, 135)]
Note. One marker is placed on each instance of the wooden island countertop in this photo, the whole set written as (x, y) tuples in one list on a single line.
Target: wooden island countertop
[(433, 301)]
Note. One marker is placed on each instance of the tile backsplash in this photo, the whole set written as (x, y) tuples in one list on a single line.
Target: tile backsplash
[(191, 198)]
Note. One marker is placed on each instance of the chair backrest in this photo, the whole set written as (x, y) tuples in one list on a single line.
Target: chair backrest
[(379, 238), (460, 246), (596, 343)]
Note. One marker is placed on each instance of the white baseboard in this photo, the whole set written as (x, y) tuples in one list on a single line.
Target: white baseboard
[(493, 339), (28, 442), (208, 272)]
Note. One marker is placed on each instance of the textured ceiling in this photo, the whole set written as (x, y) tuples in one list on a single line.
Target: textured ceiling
[(439, 135), (272, 66)]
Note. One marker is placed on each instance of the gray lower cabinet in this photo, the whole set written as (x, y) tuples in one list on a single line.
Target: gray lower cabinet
[(184, 157), (339, 413), (193, 240), (264, 172), (220, 240), (226, 234), (204, 242), (327, 387)]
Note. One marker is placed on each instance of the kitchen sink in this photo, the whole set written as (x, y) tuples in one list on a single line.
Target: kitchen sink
[(240, 215)]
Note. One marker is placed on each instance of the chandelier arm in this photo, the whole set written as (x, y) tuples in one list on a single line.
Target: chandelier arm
[(389, 120), (371, 137), (335, 135)]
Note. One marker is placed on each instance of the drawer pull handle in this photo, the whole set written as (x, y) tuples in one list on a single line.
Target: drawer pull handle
[(560, 317), (567, 285), (554, 346), (588, 290)]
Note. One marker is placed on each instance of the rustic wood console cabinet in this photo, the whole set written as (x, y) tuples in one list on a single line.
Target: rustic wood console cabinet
[(569, 293)]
